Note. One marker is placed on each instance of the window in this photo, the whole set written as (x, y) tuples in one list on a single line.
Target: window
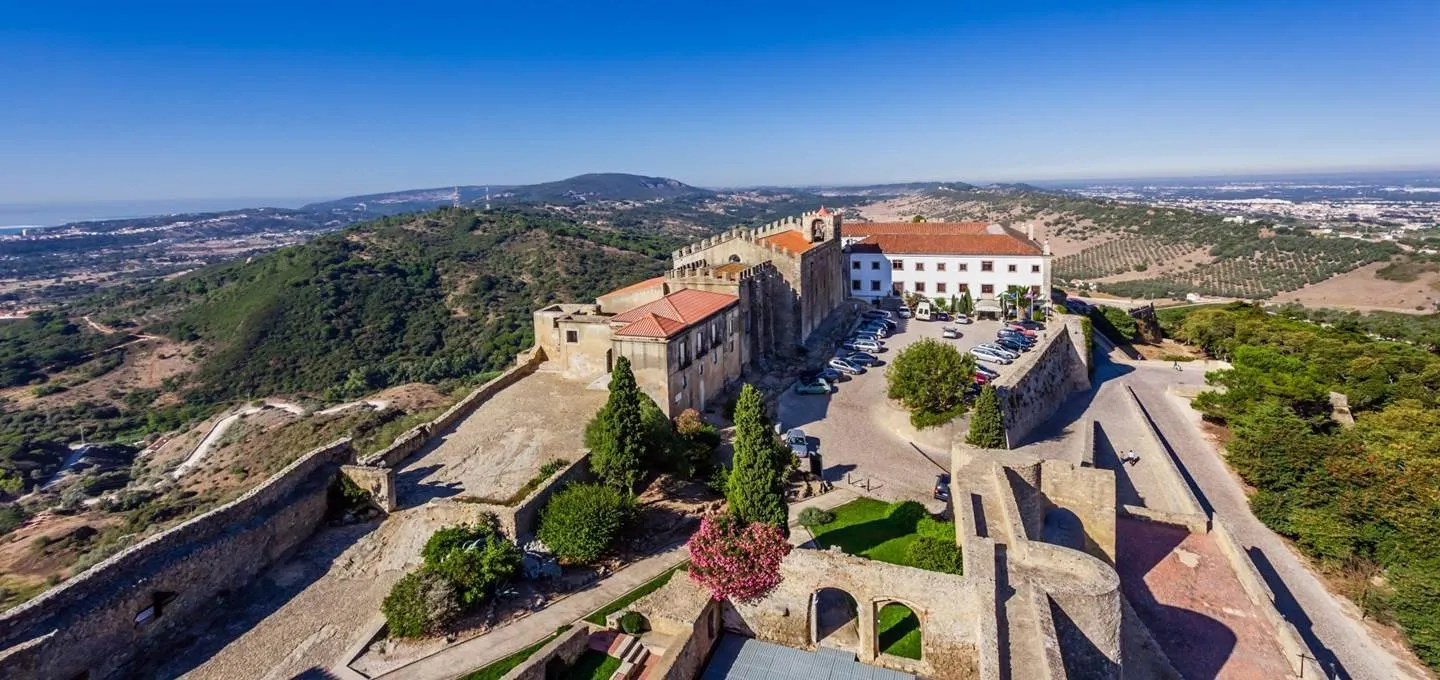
[(854, 264), (964, 267), (1034, 269), (874, 264), (897, 265), (964, 287), (987, 266), (572, 336), (1012, 269), (939, 266), (939, 287), (986, 289), (919, 266), (875, 285), (855, 284), (919, 286)]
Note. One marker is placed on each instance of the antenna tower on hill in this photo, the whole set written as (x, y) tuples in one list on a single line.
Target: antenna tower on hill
[(487, 197), (455, 198)]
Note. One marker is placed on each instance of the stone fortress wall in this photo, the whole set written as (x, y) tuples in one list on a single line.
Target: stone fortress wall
[(1040, 381), (94, 623)]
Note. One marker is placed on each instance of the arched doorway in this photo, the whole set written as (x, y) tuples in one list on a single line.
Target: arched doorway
[(897, 631), (835, 619)]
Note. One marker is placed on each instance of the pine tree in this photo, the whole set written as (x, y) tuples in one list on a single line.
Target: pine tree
[(756, 486), (617, 435), (987, 426)]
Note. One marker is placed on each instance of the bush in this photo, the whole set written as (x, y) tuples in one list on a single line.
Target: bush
[(421, 603), (48, 389), (632, 623), (814, 517), (930, 377), (344, 495), (1115, 323), (583, 520), (735, 559), (11, 516), (474, 559), (987, 426), (934, 554)]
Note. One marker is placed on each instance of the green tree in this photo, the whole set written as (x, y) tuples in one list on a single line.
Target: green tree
[(756, 485), (617, 449), (474, 558), (421, 603), (987, 425), (929, 378), (967, 303), (582, 521)]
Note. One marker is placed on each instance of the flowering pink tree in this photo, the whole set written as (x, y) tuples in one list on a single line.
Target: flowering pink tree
[(736, 560)]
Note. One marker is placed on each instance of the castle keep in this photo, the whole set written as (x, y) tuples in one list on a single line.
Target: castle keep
[(740, 299)]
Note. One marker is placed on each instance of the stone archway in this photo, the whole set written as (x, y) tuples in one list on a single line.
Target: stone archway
[(898, 630), (835, 619)]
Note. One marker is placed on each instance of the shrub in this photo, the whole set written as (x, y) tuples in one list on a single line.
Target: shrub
[(935, 554), (987, 426), (344, 495), (632, 623), (736, 559), (473, 558), (420, 603), (583, 520), (814, 517), (1115, 323), (930, 377), (11, 516), (48, 389)]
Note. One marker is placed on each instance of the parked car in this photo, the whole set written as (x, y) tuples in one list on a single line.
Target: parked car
[(876, 314), (1022, 339), (904, 313), (987, 372), (816, 386), (996, 349), (869, 337), (877, 331), (845, 367), (942, 487), (863, 346), (950, 332), (1030, 325), (862, 358), (991, 356), (829, 375), (942, 316), (962, 319), (981, 378), (1012, 345), (797, 441), (1015, 326)]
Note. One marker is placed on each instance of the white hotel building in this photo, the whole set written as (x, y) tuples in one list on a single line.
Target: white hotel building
[(939, 260)]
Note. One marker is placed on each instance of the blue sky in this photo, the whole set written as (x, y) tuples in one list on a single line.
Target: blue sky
[(143, 100)]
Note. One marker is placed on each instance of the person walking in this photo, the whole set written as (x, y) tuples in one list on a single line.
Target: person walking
[(1175, 365)]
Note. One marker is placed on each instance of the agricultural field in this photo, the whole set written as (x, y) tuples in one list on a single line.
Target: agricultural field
[(1125, 254), (1261, 270)]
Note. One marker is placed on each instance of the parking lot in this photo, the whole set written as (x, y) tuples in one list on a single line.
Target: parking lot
[(855, 427)]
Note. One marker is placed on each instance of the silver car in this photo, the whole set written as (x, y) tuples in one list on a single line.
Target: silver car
[(983, 354), (797, 441)]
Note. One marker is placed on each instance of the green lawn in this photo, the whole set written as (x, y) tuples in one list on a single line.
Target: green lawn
[(598, 617), (866, 527), (498, 669), (592, 665), (899, 631)]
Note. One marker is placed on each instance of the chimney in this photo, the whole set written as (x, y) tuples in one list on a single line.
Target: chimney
[(1030, 231)]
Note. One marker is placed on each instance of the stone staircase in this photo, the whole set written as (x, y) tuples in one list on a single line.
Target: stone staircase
[(632, 655)]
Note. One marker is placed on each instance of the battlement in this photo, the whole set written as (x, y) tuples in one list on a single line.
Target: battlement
[(700, 270), (791, 223)]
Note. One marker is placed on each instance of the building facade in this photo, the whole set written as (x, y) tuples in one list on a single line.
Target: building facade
[(943, 260), (742, 298)]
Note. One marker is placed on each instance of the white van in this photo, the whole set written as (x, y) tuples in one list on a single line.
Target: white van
[(922, 310)]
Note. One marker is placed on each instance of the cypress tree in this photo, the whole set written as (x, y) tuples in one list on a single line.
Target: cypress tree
[(617, 435), (755, 489), (987, 426)]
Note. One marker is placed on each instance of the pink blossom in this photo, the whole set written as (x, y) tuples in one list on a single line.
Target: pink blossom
[(737, 561)]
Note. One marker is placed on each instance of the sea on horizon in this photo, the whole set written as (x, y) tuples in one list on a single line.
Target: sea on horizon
[(15, 217)]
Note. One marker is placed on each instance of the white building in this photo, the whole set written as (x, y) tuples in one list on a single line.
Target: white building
[(939, 260)]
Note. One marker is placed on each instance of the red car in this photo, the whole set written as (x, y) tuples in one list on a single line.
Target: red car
[(981, 378), (1020, 329)]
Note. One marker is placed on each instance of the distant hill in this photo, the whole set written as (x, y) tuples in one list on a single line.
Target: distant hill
[(610, 186), (888, 190)]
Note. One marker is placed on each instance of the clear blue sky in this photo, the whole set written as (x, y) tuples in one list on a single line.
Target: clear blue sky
[(128, 100)]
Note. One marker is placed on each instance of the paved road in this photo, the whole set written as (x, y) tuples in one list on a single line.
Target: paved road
[(1329, 624)]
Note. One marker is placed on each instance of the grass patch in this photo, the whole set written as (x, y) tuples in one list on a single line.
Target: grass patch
[(385, 434), (498, 669), (654, 584), (872, 529), (899, 631), (592, 665)]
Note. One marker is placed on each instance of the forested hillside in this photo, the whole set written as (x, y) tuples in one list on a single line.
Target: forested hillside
[(1364, 502), (1146, 251)]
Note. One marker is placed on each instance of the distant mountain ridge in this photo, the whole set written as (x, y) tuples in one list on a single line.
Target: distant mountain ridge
[(600, 186)]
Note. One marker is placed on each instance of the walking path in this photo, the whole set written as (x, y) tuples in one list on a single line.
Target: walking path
[(480, 651), (1329, 624)]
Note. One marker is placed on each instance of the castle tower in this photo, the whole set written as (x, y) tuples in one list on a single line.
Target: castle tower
[(821, 225)]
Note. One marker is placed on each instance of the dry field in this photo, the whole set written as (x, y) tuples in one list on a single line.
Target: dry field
[(1361, 290)]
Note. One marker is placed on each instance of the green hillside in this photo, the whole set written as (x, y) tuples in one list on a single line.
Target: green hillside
[(441, 295)]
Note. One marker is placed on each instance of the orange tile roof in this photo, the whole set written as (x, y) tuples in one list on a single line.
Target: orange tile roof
[(731, 268), (792, 241), (947, 244), (647, 283), (673, 313)]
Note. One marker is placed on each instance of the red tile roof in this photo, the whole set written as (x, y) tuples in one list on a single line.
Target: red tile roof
[(792, 241), (952, 244), (673, 313), (647, 283)]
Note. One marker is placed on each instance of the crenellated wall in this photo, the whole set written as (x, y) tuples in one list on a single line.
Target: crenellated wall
[(94, 623)]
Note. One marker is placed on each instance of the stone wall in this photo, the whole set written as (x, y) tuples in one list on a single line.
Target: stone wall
[(1299, 654), (686, 620), (1089, 493), (380, 482), (1177, 497), (1040, 381), (559, 653), (519, 520), (94, 623)]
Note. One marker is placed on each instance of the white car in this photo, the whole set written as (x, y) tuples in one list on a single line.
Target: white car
[(983, 354), (996, 349), (845, 367), (863, 346), (869, 337), (950, 332), (877, 314), (904, 313), (962, 319)]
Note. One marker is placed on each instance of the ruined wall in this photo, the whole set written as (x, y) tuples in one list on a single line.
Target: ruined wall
[(1089, 494), (689, 619), (562, 651), (95, 622), (947, 606), (380, 482), (1041, 380), (518, 520)]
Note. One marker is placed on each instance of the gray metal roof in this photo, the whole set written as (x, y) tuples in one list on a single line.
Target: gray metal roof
[(740, 658)]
